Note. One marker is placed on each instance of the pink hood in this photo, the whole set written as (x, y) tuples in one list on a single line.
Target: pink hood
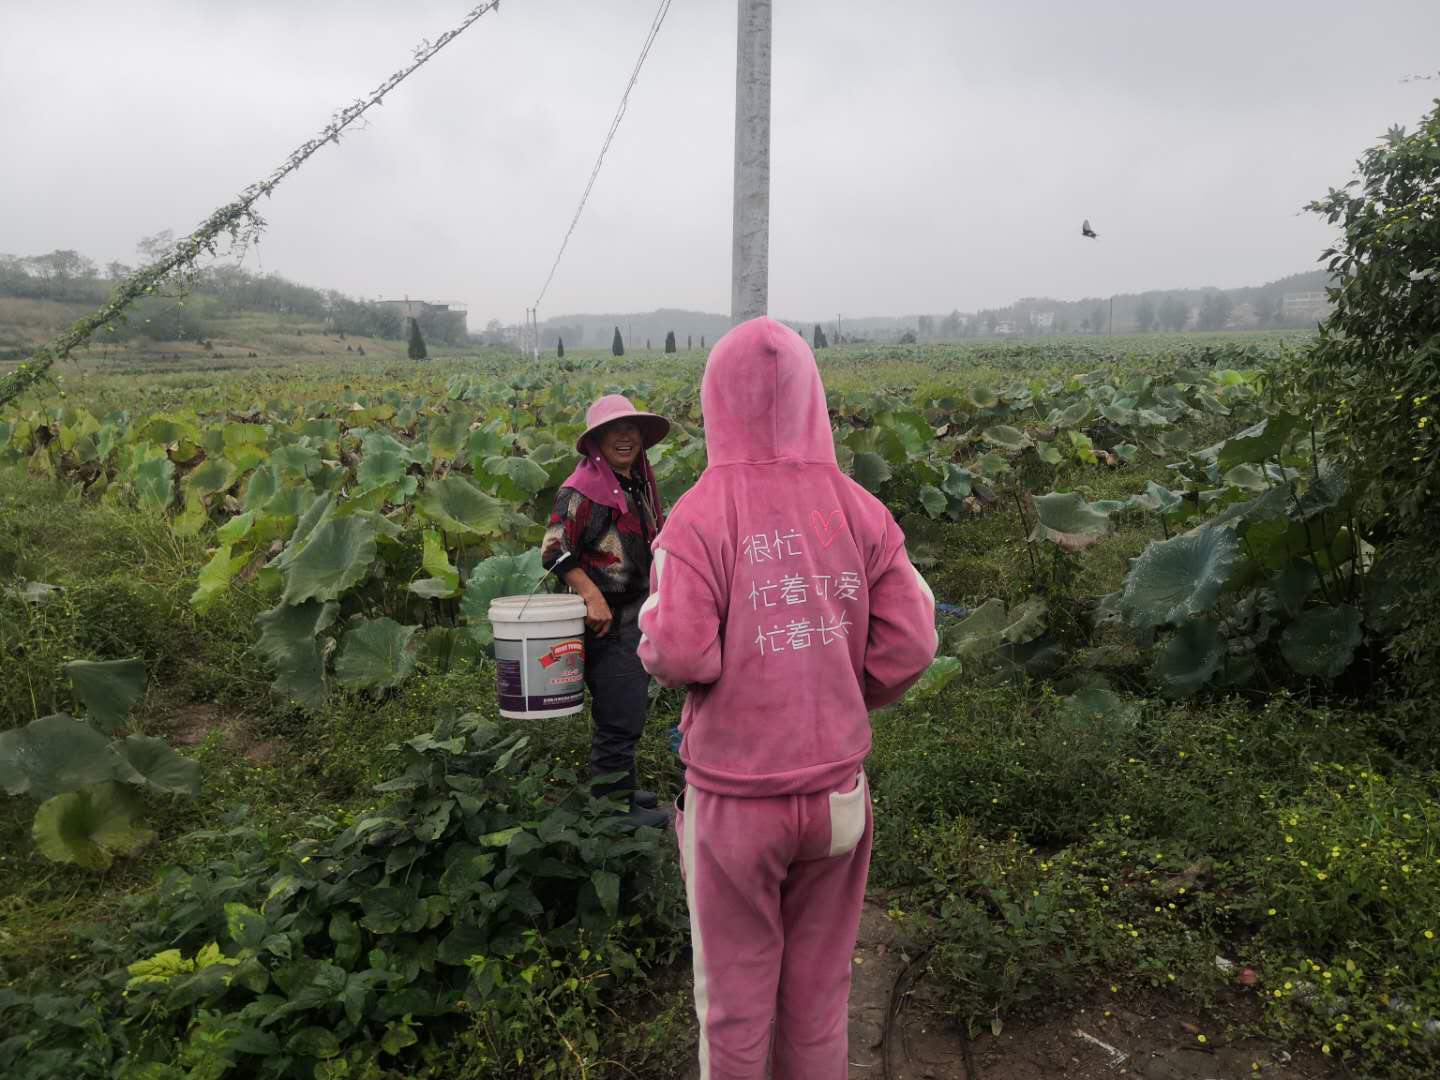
[(781, 594)]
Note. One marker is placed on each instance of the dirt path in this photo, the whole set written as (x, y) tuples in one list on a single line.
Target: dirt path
[(1155, 1039)]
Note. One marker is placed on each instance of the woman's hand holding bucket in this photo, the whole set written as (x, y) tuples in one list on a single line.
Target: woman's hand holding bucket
[(598, 615)]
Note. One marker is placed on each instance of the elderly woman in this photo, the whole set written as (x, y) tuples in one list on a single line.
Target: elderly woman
[(598, 542)]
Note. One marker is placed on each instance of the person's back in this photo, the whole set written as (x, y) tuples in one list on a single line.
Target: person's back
[(782, 597)]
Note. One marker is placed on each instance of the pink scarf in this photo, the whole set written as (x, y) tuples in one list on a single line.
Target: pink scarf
[(594, 479)]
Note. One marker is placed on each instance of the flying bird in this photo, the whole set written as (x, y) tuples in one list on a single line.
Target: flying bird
[(1085, 230)]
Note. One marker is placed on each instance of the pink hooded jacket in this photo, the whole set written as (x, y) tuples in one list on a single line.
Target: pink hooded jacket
[(780, 593)]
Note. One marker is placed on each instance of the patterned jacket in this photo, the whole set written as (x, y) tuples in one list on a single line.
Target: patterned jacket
[(612, 548)]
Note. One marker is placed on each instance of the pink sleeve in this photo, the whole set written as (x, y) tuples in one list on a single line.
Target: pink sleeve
[(679, 625), (902, 639)]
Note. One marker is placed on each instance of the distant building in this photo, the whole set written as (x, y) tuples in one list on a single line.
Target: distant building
[(445, 320), (1298, 305), (1044, 320), (1006, 327)]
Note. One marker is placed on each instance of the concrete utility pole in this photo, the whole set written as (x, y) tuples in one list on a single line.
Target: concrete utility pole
[(750, 251)]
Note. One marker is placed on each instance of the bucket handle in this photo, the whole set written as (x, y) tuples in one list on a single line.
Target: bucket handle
[(533, 590)]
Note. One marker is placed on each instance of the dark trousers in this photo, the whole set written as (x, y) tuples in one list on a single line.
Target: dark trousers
[(619, 693)]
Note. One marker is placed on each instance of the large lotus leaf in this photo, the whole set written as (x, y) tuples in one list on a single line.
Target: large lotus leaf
[(980, 632), (246, 445), (991, 466), (1025, 621), (982, 397), (1186, 662), (1247, 477), (1118, 415), (151, 761), (1259, 443), (933, 500), (1066, 519), (485, 442), (1072, 415), (296, 460), (1176, 578), (336, 556), (379, 652), (1273, 505), (499, 575), (870, 470), (261, 488), (165, 429), (514, 479), (913, 430), (461, 509), (381, 464), (107, 688), (444, 579), (155, 483), (89, 827), (214, 476), (52, 755), (958, 482), (287, 641), (1322, 641), (1006, 437), (447, 434), (1083, 447), (445, 648), (1328, 486)]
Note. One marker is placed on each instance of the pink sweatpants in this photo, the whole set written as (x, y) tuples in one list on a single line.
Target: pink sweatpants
[(775, 887)]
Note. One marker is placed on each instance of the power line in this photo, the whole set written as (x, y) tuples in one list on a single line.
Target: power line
[(655, 24)]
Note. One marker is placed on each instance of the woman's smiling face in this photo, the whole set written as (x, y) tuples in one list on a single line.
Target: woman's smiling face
[(620, 444)]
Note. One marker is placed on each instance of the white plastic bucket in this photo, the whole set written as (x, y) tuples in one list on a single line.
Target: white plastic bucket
[(540, 655)]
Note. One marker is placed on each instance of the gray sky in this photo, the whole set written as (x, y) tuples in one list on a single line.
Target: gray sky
[(926, 155)]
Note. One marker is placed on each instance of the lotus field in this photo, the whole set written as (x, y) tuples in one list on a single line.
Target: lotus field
[(1157, 608)]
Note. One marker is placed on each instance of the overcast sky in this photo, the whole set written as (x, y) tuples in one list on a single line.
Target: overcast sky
[(926, 155)]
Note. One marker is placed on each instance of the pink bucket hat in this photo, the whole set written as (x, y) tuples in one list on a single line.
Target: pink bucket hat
[(653, 428)]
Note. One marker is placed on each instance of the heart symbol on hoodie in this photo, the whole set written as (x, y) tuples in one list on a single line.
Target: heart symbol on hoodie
[(827, 526)]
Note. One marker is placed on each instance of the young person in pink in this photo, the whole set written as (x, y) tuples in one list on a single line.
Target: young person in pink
[(782, 598)]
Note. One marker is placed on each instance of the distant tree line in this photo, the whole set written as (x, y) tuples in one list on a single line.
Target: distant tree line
[(217, 293)]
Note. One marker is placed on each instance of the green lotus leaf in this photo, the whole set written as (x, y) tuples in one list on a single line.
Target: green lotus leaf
[(1066, 519), (991, 466), (1186, 662), (499, 575), (1083, 447), (295, 460), (1322, 641), (980, 632), (1125, 452), (54, 754), (444, 580), (151, 761), (958, 482), (1073, 415), (1176, 578), (1006, 437), (336, 556), (933, 500), (213, 476), (461, 509), (982, 397), (380, 468), (485, 442), (912, 429), (1261, 442), (287, 642), (1329, 484), (165, 429), (262, 486), (1118, 415), (514, 479), (1247, 477), (447, 435), (107, 688), (155, 483), (938, 675), (89, 827), (216, 575), (1049, 454), (379, 652), (870, 470), (236, 529)]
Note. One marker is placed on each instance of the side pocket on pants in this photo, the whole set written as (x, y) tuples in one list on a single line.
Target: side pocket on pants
[(847, 817)]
